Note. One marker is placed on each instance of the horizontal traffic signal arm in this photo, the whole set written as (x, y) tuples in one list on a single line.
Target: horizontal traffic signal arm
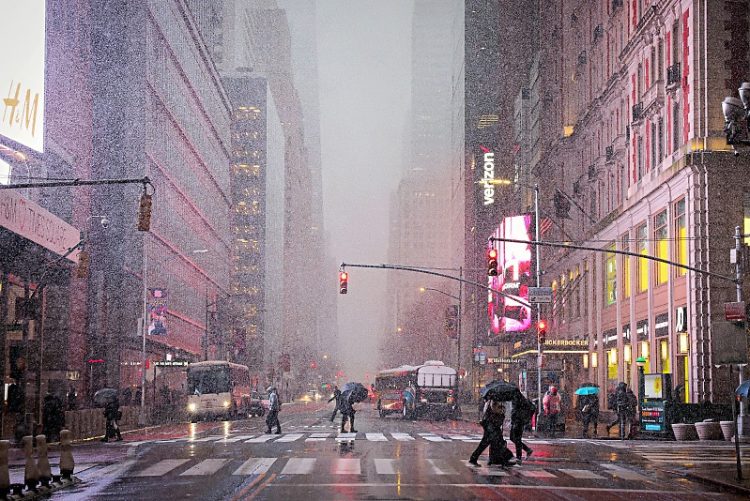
[(415, 269), (615, 251), (145, 181)]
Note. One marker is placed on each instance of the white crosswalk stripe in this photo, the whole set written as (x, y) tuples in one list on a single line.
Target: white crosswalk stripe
[(230, 440), (433, 438), (290, 437), (582, 474), (211, 438), (346, 437), (376, 437), (624, 473), (440, 468), (402, 437), (254, 466), (385, 466), (347, 466), (161, 468), (298, 466), (205, 467), (260, 439)]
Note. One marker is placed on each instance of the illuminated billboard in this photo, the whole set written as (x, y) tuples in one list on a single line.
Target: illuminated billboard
[(506, 313), (22, 52)]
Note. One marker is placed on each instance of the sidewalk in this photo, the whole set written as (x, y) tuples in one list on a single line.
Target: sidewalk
[(723, 476)]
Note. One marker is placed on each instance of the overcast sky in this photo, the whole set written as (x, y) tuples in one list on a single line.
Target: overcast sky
[(364, 55)]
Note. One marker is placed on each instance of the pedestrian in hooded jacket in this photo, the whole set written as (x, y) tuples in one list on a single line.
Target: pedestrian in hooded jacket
[(337, 397), (493, 417), (346, 406), (620, 404), (521, 414), (552, 407)]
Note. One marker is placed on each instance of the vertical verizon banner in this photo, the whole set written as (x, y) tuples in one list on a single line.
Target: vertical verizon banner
[(22, 61)]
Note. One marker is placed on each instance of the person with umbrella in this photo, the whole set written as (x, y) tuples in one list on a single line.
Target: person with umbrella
[(521, 414), (274, 406), (588, 408), (336, 396), (493, 417), (112, 415), (350, 394)]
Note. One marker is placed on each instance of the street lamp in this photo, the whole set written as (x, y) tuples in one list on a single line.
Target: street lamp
[(144, 323), (641, 363), (737, 117)]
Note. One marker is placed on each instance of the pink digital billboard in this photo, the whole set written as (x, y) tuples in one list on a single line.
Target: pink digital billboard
[(506, 313)]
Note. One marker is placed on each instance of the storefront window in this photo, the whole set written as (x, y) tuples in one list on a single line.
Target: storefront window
[(641, 244), (626, 281), (661, 246), (680, 233), (664, 356), (610, 277)]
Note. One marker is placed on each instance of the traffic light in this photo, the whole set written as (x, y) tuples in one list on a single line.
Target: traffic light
[(343, 282), (541, 331), (84, 261), (492, 263), (144, 213)]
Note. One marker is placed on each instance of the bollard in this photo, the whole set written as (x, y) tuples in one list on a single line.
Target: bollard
[(42, 465), (4, 473), (66, 456), (30, 473)]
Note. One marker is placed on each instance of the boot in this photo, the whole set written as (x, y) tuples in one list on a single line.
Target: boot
[(351, 425)]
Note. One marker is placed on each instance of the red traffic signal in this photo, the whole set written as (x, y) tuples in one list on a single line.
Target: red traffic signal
[(541, 330), (343, 282), (492, 262)]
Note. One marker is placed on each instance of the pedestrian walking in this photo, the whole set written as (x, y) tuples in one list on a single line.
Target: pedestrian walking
[(336, 397), (72, 398), (53, 417), (552, 408), (619, 402), (274, 407), (346, 406), (520, 416), (588, 409), (112, 415), (632, 414), (493, 417)]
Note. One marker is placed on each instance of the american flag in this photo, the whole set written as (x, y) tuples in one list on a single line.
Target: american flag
[(545, 226)]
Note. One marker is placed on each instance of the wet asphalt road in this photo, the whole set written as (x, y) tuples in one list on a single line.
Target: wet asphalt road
[(388, 459)]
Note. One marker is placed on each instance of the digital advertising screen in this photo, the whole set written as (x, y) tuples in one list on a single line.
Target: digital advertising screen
[(506, 313)]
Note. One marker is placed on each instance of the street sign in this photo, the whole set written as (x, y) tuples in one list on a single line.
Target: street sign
[(171, 363), (734, 312), (540, 294)]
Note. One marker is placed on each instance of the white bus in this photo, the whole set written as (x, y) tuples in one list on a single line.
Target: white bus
[(218, 389)]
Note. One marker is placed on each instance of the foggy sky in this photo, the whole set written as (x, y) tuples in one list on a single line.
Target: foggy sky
[(364, 55)]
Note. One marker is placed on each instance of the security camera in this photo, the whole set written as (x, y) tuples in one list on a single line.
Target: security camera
[(104, 222)]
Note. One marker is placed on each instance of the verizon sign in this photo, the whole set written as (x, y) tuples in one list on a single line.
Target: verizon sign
[(488, 175), (27, 219)]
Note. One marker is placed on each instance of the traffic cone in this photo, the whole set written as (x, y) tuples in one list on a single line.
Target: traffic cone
[(30, 472), (4, 474), (66, 456), (42, 465)]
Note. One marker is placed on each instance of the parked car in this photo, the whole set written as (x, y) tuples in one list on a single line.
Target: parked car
[(258, 404)]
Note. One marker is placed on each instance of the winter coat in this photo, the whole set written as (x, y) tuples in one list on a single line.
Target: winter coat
[(588, 405), (336, 396), (346, 404), (523, 410), (112, 410), (551, 404), (273, 402), (493, 413)]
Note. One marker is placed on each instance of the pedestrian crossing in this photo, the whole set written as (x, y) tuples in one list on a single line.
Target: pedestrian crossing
[(688, 454), (319, 436), (379, 467)]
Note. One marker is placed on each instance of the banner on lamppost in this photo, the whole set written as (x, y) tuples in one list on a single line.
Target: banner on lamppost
[(157, 312)]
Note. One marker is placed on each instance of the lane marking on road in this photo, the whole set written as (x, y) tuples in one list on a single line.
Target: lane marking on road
[(205, 467), (347, 466), (161, 468), (438, 467), (582, 474), (320, 435), (402, 437), (385, 466), (299, 466), (376, 437), (459, 437), (318, 439), (261, 439), (623, 473), (234, 439), (254, 466), (537, 474), (346, 437), (207, 439), (433, 438), (290, 437), (485, 471)]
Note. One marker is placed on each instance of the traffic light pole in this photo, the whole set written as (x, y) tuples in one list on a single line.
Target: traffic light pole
[(538, 309)]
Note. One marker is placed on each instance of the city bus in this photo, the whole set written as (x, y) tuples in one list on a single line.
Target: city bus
[(417, 391), (217, 389)]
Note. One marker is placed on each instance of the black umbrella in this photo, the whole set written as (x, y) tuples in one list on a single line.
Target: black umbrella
[(499, 390), (105, 396), (357, 390)]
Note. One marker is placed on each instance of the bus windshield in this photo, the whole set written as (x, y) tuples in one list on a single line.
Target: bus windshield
[(208, 380)]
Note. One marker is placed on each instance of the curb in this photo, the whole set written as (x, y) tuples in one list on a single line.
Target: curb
[(739, 489)]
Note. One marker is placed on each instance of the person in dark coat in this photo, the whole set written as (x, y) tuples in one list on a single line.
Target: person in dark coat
[(632, 409), (588, 408), (274, 406), (493, 417), (112, 414), (72, 399), (336, 397), (53, 417), (619, 403), (346, 406), (521, 414)]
